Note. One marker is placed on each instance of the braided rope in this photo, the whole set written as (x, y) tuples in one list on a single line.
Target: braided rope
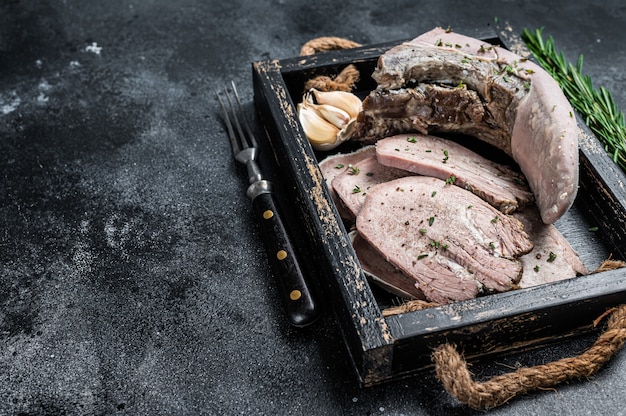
[(346, 79), (451, 369)]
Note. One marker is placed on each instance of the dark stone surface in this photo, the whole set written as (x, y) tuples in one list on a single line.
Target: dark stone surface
[(132, 277)]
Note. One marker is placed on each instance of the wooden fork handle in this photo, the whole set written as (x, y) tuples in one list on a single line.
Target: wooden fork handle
[(296, 293)]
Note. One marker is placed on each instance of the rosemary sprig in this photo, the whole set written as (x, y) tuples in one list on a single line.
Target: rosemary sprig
[(597, 107)]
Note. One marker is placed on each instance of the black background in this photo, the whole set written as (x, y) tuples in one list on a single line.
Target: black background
[(132, 276)]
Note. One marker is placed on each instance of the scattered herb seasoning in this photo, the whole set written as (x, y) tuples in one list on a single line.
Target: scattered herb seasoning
[(433, 194), (470, 206), (339, 166), (492, 245), (431, 221), (411, 139), (593, 229), (551, 257), (421, 256), (422, 231), (356, 189), (353, 170), (495, 219), (445, 155), (370, 174), (536, 269), (511, 70), (451, 180)]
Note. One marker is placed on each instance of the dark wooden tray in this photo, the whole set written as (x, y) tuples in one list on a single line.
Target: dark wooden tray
[(385, 348)]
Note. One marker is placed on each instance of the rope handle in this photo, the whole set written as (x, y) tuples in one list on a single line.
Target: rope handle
[(452, 370), (346, 79), (326, 43)]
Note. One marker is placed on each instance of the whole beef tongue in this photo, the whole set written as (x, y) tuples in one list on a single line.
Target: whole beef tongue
[(526, 113)]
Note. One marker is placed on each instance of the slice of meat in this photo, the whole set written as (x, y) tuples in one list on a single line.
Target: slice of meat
[(433, 156), (525, 112), (353, 184), (552, 258), (383, 273), (450, 241), (333, 165)]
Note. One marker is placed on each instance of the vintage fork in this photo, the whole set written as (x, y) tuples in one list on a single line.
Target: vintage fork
[(296, 293)]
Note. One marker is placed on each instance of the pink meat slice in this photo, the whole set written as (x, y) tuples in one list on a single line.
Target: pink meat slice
[(384, 273), (334, 165), (353, 185), (433, 156), (552, 258), (450, 241)]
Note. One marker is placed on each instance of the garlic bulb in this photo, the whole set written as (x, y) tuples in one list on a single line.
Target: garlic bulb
[(328, 118)]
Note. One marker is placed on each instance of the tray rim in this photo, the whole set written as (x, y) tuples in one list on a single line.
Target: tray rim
[(370, 337)]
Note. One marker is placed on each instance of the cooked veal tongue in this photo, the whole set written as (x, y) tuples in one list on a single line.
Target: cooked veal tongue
[(449, 240), (552, 258), (333, 165), (445, 159), (384, 273), (353, 184), (443, 81)]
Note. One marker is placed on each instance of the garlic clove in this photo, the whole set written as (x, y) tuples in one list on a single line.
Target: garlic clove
[(343, 100), (328, 118), (316, 128), (347, 132), (333, 115)]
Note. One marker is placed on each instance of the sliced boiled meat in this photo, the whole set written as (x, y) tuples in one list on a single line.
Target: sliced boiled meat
[(552, 258), (334, 165), (450, 241), (353, 184), (384, 273), (433, 156), (524, 112)]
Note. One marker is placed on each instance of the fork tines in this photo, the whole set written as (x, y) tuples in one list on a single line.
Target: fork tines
[(242, 140)]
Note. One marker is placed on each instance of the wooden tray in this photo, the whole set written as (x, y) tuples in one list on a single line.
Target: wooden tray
[(385, 348)]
